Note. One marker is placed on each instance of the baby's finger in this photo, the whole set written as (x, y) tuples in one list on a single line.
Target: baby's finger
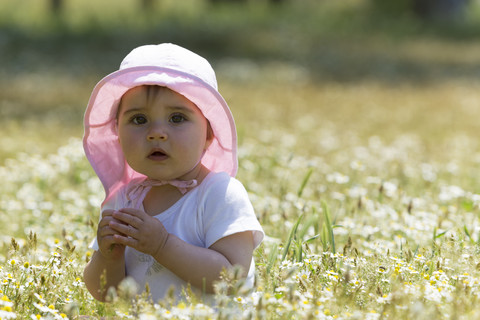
[(104, 224), (106, 231), (126, 230), (134, 212), (105, 221), (126, 241), (127, 218), (106, 241), (107, 212)]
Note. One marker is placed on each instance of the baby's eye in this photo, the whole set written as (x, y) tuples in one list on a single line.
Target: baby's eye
[(177, 118), (139, 119)]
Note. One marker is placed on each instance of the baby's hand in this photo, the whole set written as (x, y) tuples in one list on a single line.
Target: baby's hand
[(105, 237), (136, 229)]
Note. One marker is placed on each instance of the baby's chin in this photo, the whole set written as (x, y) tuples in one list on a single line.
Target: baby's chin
[(198, 173)]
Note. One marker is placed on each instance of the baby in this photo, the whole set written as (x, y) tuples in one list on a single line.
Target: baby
[(162, 141)]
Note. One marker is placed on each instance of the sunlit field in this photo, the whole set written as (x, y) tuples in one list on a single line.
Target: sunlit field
[(362, 162)]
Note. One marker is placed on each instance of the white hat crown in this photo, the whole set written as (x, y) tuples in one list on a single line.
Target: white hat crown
[(171, 56)]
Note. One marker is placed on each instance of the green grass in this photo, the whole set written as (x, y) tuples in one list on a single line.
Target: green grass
[(358, 147)]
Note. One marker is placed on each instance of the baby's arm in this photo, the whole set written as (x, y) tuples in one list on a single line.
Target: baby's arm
[(108, 261), (194, 264), (199, 266)]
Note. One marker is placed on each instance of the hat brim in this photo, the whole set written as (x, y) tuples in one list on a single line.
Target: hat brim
[(101, 141)]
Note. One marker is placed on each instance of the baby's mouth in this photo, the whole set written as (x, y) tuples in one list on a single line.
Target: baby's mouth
[(157, 155)]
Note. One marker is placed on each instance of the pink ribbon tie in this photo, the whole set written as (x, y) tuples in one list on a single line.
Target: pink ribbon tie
[(139, 191)]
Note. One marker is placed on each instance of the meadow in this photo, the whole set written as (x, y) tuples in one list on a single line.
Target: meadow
[(357, 144)]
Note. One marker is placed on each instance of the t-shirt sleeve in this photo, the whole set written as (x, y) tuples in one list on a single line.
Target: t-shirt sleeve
[(228, 210)]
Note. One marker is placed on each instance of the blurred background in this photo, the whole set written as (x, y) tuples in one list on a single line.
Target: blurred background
[(373, 67)]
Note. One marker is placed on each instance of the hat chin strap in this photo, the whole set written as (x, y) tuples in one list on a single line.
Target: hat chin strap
[(139, 191)]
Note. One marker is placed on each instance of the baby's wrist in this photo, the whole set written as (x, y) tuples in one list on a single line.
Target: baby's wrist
[(161, 245)]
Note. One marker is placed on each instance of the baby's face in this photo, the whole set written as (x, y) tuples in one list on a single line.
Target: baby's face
[(162, 133)]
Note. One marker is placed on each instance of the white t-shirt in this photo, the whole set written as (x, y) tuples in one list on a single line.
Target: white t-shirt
[(217, 208)]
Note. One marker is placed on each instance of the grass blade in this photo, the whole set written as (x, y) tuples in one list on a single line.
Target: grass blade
[(304, 182), (328, 226), (290, 237), (272, 257)]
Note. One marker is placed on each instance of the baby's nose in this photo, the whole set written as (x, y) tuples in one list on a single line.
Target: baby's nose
[(157, 134), (159, 137)]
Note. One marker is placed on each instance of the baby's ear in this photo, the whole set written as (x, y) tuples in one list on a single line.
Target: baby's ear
[(208, 142), (210, 136)]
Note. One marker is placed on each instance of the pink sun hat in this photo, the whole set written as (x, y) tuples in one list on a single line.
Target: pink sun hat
[(166, 65)]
